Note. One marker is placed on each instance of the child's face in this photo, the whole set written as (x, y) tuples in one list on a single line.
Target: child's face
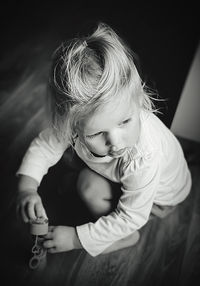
[(112, 128)]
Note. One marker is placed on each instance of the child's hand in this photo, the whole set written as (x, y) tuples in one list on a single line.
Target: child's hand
[(61, 238), (29, 205)]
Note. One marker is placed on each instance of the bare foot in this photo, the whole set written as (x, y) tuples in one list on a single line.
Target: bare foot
[(130, 240)]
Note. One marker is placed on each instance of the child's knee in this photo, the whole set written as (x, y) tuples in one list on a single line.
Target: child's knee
[(95, 191), (85, 185), (100, 207), (91, 185)]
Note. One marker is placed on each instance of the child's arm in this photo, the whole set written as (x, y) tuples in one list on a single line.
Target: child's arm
[(29, 203), (139, 183), (44, 151)]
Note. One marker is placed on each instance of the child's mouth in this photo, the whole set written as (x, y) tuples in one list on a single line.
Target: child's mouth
[(117, 154)]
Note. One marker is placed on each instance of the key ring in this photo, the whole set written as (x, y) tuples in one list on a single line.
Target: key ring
[(38, 227), (35, 249), (34, 262), (37, 257)]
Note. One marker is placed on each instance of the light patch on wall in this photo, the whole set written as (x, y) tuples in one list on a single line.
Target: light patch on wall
[(186, 122)]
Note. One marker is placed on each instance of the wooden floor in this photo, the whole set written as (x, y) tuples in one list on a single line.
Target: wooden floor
[(168, 252)]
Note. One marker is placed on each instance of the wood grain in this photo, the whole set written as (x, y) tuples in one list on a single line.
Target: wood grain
[(168, 252)]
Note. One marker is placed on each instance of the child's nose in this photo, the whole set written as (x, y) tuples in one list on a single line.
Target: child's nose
[(113, 140)]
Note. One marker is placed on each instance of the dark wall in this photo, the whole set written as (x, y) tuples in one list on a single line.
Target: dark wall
[(164, 37)]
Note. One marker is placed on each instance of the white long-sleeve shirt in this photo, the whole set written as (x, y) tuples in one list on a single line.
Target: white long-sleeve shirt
[(152, 171)]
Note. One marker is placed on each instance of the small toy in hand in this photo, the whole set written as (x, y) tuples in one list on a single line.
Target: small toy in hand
[(38, 228)]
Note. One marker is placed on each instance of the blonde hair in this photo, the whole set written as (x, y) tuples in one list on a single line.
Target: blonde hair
[(86, 73)]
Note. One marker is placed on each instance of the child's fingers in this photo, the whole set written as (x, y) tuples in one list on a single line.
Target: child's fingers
[(51, 228), (31, 211), (52, 250), (23, 214), (48, 244), (44, 213), (39, 210), (49, 235)]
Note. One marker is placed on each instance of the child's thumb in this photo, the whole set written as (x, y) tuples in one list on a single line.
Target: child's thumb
[(40, 211)]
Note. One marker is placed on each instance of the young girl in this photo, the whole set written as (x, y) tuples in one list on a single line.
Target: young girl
[(102, 109)]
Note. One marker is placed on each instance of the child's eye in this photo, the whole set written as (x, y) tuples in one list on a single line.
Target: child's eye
[(126, 121), (93, 136)]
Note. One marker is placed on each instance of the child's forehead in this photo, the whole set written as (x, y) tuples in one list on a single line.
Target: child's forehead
[(117, 105)]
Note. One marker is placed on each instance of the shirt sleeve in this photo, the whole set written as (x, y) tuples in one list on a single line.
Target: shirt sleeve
[(44, 151), (139, 183)]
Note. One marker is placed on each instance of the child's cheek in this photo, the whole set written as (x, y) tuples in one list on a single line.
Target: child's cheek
[(93, 144), (96, 146), (90, 143), (134, 134)]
